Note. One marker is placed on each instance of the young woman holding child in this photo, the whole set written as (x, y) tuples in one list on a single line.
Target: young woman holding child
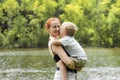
[(66, 66)]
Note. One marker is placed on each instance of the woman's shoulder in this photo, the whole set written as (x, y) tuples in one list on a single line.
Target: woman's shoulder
[(50, 49)]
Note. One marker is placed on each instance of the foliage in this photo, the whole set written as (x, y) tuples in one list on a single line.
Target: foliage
[(22, 21)]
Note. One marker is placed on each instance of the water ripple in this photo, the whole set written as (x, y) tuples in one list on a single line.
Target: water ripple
[(98, 73)]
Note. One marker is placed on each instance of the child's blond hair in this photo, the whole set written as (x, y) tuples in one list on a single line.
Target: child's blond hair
[(70, 28)]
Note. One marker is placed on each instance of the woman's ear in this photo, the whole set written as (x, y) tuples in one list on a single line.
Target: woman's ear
[(47, 30)]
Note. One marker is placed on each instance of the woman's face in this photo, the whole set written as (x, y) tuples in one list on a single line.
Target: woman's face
[(54, 29)]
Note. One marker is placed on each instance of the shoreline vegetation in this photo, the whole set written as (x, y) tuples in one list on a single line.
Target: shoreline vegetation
[(22, 22)]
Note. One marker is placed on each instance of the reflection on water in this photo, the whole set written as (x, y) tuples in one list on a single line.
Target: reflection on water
[(101, 57), (36, 64), (100, 73), (25, 74)]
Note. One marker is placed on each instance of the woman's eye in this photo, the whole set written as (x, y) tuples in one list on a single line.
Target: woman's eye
[(54, 26)]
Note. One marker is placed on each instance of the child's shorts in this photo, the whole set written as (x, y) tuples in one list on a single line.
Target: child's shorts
[(79, 63)]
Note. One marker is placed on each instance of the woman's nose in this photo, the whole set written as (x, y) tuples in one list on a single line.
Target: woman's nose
[(58, 29)]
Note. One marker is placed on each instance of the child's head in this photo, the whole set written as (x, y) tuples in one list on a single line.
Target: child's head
[(69, 28)]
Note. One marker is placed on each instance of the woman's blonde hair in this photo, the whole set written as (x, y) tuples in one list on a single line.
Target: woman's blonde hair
[(70, 28)]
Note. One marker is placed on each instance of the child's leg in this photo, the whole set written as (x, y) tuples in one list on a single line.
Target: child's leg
[(62, 69), (79, 63)]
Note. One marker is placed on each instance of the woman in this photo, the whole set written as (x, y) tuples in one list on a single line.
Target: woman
[(53, 27)]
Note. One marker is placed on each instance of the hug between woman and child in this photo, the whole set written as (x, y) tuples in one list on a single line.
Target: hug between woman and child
[(72, 48)]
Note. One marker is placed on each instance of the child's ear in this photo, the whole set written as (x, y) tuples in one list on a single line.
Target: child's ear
[(65, 31)]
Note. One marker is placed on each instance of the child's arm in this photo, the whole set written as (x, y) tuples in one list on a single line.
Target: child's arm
[(56, 42), (62, 70)]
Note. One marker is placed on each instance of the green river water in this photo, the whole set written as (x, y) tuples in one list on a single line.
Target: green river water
[(37, 64)]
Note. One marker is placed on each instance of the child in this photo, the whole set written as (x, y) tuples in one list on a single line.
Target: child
[(71, 46)]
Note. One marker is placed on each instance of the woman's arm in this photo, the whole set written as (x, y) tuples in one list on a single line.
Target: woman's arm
[(56, 42), (63, 56)]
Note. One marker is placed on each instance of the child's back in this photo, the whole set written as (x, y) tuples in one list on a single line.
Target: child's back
[(73, 48)]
